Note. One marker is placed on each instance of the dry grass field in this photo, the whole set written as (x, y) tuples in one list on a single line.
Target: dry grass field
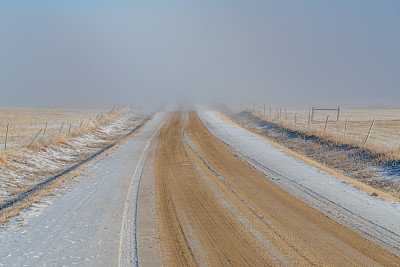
[(385, 133), (25, 124)]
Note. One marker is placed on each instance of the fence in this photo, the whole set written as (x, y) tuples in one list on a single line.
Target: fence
[(21, 127), (379, 127)]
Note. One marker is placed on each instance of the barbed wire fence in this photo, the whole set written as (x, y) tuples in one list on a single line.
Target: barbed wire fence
[(14, 133), (360, 126)]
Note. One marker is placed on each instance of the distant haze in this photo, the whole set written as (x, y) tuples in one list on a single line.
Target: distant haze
[(94, 54)]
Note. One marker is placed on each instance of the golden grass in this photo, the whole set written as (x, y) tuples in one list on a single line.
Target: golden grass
[(3, 158), (382, 153), (385, 132), (25, 124)]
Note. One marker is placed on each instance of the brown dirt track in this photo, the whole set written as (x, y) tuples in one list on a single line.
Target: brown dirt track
[(213, 209)]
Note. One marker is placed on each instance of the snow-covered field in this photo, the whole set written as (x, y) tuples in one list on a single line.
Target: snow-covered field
[(26, 167), (331, 196)]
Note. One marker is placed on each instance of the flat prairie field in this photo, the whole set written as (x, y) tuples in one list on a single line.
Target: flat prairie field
[(25, 124), (377, 127)]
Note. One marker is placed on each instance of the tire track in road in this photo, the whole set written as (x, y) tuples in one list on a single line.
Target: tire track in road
[(128, 253)]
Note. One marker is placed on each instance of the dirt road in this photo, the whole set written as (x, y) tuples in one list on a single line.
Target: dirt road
[(175, 195), (214, 209)]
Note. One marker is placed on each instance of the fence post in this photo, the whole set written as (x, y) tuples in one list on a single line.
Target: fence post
[(45, 128), (345, 128), (338, 113), (69, 131), (264, 110), (312, 114), (59, 132), (369, 132), (295, 119), (5, 144), (280, 113), (326, 122), (34, 138), (309, 116)]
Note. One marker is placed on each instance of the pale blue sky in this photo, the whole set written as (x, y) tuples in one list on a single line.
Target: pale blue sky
[(94, 54)]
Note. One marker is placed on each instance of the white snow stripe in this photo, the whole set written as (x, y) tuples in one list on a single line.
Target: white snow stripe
[(128, 247)]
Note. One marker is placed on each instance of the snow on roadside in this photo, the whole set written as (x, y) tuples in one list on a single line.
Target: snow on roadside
[(362, 206), (28, 167)]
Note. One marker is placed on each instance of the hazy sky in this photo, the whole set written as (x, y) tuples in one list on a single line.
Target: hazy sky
[(94, 54)]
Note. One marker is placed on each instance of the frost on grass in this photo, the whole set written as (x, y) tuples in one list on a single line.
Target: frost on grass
[(24, 167)]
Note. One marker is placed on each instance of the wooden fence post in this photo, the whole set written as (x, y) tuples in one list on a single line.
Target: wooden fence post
[(286, 114), (295, 119), (309, 116), (35, 138), (369, 132), (45, 128), (338, 113), (5, 144), (326, 122), (69, 131), (280, 113), (312, 114), (345, 128), (59, 132)]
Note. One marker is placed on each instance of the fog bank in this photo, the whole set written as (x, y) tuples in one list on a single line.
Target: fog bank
[(96, 54)]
